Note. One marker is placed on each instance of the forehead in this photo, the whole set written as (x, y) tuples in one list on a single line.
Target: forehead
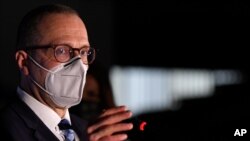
[(64, 26)]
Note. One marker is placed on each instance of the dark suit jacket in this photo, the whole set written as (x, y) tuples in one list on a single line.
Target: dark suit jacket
[(20, 123)]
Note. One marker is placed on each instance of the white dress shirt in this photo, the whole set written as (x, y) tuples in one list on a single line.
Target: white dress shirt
[(49, 117)]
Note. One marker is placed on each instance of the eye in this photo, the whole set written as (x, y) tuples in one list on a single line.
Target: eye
[(89, 52), (62, 50), (89, 55), (62, 53), (84, 51)]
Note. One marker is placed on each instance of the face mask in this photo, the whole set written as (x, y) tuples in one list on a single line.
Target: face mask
[(64, 83)]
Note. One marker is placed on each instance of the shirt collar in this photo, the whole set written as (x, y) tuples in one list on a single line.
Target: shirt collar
[(49, 117)]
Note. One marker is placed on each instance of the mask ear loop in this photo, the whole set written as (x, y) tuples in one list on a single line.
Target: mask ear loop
[(37, 64), (42, 88)]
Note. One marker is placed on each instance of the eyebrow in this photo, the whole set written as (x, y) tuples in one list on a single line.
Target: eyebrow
[(65, 44), (36, 47), (50, 46)]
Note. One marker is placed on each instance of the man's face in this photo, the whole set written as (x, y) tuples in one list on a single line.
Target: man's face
[(60, 29), (56, 29)]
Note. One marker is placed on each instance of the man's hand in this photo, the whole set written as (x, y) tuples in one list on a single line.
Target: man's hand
[(109, 125)]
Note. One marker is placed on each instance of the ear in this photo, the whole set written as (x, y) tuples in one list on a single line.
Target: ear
[(21, 59)]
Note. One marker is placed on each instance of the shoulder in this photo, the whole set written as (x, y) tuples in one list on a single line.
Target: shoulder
[(12, 123), (8, 110), (17, 115)]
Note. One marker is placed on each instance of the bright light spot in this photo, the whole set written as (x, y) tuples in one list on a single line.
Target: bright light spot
[(155, 89)]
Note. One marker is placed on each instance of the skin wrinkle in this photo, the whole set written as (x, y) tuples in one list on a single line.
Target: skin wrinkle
[(65, 33)]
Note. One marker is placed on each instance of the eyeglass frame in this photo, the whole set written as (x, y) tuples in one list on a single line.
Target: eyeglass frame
[(54, 46)]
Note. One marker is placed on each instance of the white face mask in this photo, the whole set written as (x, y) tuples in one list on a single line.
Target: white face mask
[(65, 82)]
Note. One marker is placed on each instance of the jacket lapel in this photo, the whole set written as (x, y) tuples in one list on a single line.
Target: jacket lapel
[(40, 130), (80, 127)]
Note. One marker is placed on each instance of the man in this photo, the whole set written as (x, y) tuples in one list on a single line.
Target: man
[(53, 54)]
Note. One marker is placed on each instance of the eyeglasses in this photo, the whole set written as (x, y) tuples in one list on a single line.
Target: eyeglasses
[(63, 53)]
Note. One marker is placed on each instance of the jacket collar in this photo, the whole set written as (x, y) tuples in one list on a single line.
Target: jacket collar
[(41, 132)]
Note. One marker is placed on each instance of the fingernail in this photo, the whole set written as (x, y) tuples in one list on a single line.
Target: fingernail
[(130, 113), (130, 126), (123, 137), (123, 107)]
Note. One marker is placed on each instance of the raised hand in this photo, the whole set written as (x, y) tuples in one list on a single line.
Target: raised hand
[(109, 126)]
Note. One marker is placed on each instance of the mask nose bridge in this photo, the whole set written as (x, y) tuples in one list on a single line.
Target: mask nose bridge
[(72, 60), (77, 52)]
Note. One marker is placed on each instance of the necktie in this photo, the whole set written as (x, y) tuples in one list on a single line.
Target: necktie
[(67, 130)]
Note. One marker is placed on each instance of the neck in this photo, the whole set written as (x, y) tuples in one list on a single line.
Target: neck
[(60, 112), (42, 97)]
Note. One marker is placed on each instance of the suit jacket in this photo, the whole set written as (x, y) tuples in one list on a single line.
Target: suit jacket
[(20, 123)]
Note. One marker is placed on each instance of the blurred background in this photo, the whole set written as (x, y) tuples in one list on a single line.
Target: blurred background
[(179, 65)]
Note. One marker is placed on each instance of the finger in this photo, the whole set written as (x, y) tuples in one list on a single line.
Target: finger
[(113, 111), (118, 137), (111, 129), (112, 119)]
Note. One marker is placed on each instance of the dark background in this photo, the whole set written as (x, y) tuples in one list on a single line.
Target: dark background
[(184, 34), (171, 34)]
